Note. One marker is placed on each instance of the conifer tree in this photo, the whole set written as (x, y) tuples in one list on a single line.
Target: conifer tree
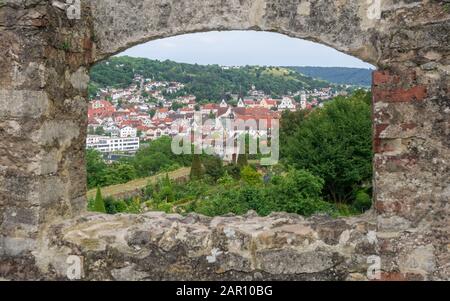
[(99, 204), (196, 168), (242, 160)]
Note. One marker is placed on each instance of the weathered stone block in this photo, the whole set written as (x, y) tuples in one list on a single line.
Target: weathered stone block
[(421, 261), (19, 104), (10, 246)]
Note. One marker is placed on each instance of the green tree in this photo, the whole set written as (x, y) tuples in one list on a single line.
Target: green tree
[(99, 131), (118, 173), (196, 167), (176, 106), (99, 204), (213, 167), (95, 167), (334, 143), (242, 160), (289, 124), (156, 157)]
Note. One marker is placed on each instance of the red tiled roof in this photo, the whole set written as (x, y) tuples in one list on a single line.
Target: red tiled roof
[(210, 106), (142, 128), (132, 123), (92, 122), (270, 101)]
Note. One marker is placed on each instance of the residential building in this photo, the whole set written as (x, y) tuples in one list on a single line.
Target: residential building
[(106, 144), (268, 103), (287, 103), (128, 132)]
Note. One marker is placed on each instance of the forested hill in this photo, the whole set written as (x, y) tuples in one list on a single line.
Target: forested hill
[(339, 75), (209, 82)]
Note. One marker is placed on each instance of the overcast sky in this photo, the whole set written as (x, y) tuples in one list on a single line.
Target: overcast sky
[(244, 48)]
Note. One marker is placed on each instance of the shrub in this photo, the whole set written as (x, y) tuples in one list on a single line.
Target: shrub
[(110, 205), (148, 191), (250, 176), (121, 206), (233, 170), (226, 179), (134, 206), (165, 207), (299, 192), (363, 201)]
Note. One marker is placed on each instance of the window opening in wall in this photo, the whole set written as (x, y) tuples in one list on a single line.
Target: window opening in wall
[(228, 122)]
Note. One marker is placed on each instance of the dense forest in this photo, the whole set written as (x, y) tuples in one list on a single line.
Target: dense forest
[(326, 166), (339, 75), (210, 82)]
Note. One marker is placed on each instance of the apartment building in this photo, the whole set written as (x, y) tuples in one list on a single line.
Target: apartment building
[(105, 144)]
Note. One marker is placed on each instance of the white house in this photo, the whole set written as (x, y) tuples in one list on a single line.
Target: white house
[(127, 132), (287, 104), (161, 114), (192, 103), (113, 130)]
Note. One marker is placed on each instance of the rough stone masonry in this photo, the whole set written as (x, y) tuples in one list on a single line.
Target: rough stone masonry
[(46, 51)]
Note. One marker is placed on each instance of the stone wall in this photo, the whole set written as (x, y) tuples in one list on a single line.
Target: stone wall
[(45, 57), (156, 246)]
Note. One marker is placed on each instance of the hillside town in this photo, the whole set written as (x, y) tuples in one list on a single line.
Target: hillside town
[(120, 120)]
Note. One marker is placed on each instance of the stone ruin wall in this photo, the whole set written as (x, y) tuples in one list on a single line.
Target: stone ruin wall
[(44, 62)]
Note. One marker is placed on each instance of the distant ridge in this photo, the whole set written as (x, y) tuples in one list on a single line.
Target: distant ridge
[(206, 82), (338, 75)]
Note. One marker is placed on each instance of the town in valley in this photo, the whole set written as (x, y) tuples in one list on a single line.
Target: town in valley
[(122, 120)]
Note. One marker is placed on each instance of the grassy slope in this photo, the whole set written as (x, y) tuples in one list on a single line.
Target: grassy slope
[(138, 183)]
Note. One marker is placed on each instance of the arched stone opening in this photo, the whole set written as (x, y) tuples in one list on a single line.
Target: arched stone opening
[(45, 59)]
